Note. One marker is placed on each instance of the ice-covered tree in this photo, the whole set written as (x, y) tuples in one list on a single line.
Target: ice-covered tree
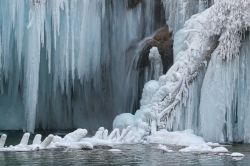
[(218, 29)]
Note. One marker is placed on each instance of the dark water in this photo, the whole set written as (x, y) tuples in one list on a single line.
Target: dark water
[(131, 155)]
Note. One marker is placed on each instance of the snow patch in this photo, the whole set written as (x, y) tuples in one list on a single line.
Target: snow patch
[(237, 154), (179, 138), (114, 150)]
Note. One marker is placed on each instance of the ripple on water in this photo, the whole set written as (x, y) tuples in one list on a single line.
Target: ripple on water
[(130, 155)]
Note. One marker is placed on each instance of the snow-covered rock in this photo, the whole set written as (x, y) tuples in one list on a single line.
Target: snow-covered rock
[(236, 154), (220, 150), (202, 148), (179, 138)]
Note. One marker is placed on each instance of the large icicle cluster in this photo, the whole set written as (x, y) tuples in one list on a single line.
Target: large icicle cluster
[(179, 11), (31, 29), (225, 89), (69, 60), (230, 19), (173, 87)]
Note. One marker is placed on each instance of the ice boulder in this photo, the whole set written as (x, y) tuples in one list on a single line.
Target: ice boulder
[(76, 135), (2, 140), (124, 120), (149, 89), (236, 154)]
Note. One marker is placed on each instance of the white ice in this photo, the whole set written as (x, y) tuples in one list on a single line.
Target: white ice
[(78, 140)]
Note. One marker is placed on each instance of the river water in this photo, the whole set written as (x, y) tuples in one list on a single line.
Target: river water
[(130, 155), (147, 155)]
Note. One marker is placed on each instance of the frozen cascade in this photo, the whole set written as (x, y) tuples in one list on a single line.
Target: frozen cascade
[(180, 103), (226, 85), (179, 11), (72, 60), (32, 62), (60, 58)]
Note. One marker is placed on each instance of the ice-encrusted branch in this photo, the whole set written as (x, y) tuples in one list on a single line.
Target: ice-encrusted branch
[(229, 19)]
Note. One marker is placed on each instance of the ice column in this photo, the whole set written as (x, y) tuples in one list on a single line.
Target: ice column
[(32, 63), (156, 63)]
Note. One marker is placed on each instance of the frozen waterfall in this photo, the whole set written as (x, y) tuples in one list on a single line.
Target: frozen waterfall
[(74, 61), (66, 64), (69, 61), (211, 100)]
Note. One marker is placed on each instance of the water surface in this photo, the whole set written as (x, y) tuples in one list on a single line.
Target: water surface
[(130, 155)]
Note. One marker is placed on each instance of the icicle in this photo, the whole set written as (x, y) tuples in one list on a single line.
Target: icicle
[(2, 140), (32, 62), (47, 141), (25, 139), (156, 63), (37, 139)]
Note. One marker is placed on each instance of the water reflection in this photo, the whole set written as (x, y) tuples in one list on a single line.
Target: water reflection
[(147, 155)]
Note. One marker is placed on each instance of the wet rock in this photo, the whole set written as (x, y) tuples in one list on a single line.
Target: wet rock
[(162, 39), (133, 3)]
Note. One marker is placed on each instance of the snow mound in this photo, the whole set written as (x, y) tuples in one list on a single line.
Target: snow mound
[(236, 154), (179, 138), (203, 148), (75, 136), (220, 150), (213, 144)]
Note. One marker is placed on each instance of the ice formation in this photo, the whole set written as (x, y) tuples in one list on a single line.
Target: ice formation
[(155, 63), (69, 61), (236, 154), (183, 98), (173, 87), (78, 140), (61, 67), (179, 11), (2, 140)]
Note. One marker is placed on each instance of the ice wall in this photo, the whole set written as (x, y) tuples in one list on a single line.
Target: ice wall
[(179, 11), (67, 64), (216, 106), (211, 100), (225, 98)]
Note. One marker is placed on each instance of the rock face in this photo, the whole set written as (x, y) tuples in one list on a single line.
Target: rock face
[(163, 41)]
